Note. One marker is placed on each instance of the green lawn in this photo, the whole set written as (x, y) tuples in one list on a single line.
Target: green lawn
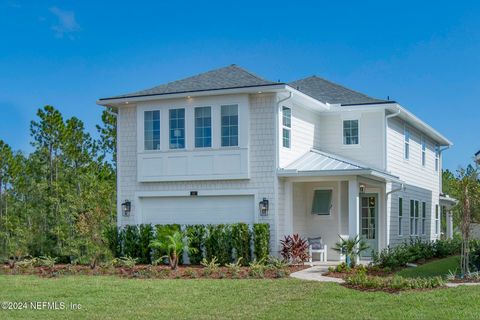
[(439, 267), (116, 298)]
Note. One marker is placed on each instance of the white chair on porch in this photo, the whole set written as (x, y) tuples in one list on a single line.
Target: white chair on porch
[(316, 245)]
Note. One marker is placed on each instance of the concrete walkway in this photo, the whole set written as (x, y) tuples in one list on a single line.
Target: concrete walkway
[(315, 274)]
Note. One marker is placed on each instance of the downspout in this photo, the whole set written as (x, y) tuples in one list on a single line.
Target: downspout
[(276, 166)]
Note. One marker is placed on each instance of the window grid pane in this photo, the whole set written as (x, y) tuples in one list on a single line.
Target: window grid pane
[(400, 215), (203, 127), (287, 124), (177, 128), (229, 114), (350, 132), (152, 130)]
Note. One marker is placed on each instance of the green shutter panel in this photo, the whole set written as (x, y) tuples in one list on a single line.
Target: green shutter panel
[(322, 202)]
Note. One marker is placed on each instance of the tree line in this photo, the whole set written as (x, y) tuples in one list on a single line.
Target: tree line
[(57, 200)]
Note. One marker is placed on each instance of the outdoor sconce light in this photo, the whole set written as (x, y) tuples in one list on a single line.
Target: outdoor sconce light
[(126, 208), (263, 207), (362, 188)]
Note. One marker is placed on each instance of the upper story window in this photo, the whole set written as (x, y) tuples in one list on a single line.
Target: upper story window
[(406, 133), (203, 127), (152, 130), (437, 157), (229, 115), (350, 132), (287, 126), (424, 151), (177, 128)]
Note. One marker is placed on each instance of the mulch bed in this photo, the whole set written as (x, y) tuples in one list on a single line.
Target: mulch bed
[(149, 272), (387, 290)]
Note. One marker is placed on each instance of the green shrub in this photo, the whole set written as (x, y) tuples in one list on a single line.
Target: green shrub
[(196, 235), (397, 283), (234, 268), (257, 269), (415, 250), (127, 262), (218, 243), (131, 241), (261, 240), (145, 237), (113, 238), (241, 242)]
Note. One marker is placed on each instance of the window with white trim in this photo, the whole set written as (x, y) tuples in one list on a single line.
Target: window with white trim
[(424, 151), (203, 127), (437, 220), (350, 132), (437, 158), (229, 122), (177, 128), (406, 133), (287, 126), (400, 215), (424, 217), (151, 130)]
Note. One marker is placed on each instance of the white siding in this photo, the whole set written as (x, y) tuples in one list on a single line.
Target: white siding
[(422, 182), (369, 151), (262, 153), (304, 134)]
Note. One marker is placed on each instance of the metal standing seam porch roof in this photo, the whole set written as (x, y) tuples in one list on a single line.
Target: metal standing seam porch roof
[(319, 163)]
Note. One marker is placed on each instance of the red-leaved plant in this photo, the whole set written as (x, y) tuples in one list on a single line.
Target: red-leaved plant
[(294, 249)]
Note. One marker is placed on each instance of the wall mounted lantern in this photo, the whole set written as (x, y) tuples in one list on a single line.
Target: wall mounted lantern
[(263, 207), (362, 188), (126, 208)]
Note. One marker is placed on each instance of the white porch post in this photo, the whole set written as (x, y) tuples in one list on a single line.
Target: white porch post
[(288, 207), (353, 208), (449, 224)]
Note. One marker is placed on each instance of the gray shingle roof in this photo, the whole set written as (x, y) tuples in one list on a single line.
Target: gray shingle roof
[(329, 92), (224, 78)]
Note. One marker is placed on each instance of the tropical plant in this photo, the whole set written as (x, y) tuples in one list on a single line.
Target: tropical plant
[(127, 262), (210, 266), (174, 246), (351, 248), (235, 267), (294, 249)]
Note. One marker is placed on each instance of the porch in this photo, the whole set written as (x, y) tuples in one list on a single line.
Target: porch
[(329, 197)]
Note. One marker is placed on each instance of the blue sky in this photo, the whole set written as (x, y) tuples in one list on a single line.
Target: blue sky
[(424, 54)]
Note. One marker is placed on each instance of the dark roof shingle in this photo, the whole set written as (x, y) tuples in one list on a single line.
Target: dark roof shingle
[(329, 92), (228, 77)]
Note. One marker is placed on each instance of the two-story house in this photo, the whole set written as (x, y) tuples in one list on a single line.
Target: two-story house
[(309, 157)]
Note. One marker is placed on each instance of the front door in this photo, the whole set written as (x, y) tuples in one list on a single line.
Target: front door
[(368, 222)]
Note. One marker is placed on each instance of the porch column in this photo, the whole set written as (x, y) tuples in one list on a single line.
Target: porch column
[(449, 221), (353, 208)]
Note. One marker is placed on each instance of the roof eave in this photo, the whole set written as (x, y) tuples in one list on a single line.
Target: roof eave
[(119, 101), (329, 173)]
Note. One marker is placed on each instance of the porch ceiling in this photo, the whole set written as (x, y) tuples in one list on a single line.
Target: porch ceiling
[(320, 163)]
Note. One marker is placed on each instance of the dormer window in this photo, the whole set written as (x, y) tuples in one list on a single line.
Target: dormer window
[(350, 132), (287, 126)]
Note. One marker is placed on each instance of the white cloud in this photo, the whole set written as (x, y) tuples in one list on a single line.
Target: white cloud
[(67, 24)]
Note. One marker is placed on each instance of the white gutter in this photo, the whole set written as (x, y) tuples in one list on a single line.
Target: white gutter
[(386, 136), (401, 188)]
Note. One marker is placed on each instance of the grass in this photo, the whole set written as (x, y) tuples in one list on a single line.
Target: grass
[(116, 298), (439, 267)]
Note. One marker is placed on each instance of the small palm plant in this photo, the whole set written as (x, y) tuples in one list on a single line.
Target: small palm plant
[(351, 248), (174, 245)]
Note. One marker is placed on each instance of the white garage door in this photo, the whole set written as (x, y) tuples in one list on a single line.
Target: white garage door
[(197, 209)]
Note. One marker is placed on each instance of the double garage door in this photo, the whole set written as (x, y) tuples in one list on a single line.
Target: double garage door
[(197, 209)]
